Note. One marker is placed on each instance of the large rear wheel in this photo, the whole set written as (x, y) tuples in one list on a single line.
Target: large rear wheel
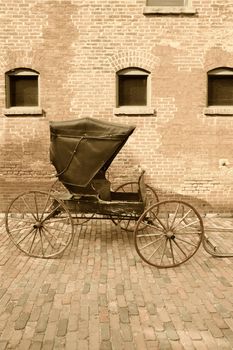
[(168, 233), (39, 224)]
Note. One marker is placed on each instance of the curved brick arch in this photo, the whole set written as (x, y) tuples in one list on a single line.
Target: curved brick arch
[(25, 69), (23, 59), (137, 59), (217, 58), (223, 67)]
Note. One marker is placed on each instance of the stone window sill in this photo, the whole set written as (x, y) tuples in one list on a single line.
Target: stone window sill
[(134, 110), (169, 10), (219, 110), (23, 111)]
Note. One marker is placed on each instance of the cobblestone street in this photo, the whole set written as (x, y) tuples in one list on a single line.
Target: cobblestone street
[(100, 296)]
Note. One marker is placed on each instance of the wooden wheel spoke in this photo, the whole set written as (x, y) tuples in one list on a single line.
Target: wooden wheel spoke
[(23, 220), (33, 240), (29, 208), (46, 210), (16, 208), (160, 222), (167, 220), (41, 243), (173, 258), (56, 220), (182, 219), (164, 250), (49, 216), (18, 229), (150, 243), (156, 249), (55, 237), (35, 199), (50, 233), (44, 230), (185, 241), (56, 228), (22, 239), (150, 235), (188, 225), (175, 215), (188, 233), (179, 247), (153, 226), (45, 206)]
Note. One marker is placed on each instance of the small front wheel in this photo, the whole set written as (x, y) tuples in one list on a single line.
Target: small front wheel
[(39, 224), (168, 233)]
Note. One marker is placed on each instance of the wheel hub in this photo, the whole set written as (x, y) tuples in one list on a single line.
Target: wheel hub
[(170, 234), (38, 225)]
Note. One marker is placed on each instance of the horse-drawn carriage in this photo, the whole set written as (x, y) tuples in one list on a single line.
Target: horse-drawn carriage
[(42, 224)]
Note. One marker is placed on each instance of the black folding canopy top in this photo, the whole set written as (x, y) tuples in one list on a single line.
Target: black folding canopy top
[(80, 148)]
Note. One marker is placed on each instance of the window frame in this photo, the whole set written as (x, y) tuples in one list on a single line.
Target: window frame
[(215, 109), (134, 110), (185, 3), (134, 71), (186, 8), (218, 72), (21, 110)]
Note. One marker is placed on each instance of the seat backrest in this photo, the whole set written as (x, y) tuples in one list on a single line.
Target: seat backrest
[(142, 187)]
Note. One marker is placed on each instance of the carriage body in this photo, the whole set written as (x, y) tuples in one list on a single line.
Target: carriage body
[(81, 152), (41, 224)]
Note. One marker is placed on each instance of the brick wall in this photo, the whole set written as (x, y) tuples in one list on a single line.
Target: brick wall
[(77, 47)]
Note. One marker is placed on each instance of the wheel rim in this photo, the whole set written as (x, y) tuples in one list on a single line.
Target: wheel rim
[(168, 233), (128, 224), (39, 224)]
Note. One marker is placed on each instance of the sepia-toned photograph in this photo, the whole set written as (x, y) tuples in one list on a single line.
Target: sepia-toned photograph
[(116, 175)]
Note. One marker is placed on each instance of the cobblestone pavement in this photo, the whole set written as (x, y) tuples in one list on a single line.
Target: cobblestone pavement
[(100, 295)]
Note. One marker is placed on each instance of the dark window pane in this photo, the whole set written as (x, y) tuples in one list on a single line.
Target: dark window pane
[(165, 2), (132, 90), (220, 90), (23, 91)]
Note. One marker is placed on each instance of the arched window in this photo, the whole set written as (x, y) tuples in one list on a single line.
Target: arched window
[(133, 87), (220, 87), (22, 88)]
